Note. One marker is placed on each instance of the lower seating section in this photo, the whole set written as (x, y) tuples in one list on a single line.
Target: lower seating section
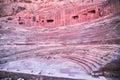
[(89, 57), (92, 61)]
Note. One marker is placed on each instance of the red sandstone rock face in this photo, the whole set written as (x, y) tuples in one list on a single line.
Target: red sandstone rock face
[(56, 13), (74, 39)]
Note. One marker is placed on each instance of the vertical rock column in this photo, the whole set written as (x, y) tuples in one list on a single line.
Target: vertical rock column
[(63, 16)]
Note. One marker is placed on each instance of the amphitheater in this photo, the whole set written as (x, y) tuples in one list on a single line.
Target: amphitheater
[(59, 39)]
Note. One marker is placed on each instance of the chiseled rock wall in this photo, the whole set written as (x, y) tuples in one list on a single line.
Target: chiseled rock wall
[(50, 15)]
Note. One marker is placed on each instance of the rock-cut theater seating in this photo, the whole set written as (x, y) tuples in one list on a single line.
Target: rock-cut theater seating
[(59, 39)]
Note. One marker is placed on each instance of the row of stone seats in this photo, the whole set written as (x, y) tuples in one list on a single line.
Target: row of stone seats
[(90, 61), (95, 56), (102, 58), (86, 66), (28, 53)]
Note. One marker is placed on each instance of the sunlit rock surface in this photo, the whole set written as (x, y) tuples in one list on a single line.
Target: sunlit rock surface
[(60, 39)]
